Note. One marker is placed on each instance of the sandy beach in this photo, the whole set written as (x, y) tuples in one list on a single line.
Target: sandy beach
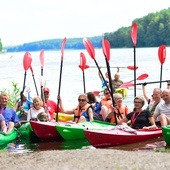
[(86, 159)]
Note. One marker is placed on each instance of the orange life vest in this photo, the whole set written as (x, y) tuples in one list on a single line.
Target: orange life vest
[(123, 110), (106, 102), (79, 111)]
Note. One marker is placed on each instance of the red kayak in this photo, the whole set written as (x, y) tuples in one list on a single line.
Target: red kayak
[(115, 137), (46, 130)]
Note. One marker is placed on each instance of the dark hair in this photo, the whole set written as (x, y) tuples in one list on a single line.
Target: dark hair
[(91, 97)]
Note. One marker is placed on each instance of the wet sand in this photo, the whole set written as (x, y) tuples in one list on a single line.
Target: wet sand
[(82, 159)]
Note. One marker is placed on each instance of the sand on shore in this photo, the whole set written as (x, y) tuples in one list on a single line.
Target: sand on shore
[(86, 159)]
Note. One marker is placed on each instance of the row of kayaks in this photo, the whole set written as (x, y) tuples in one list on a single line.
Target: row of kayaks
[(98, 133)]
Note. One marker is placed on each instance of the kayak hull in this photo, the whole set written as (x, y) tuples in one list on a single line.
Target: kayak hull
[(46, 130), (166, 134), (116, 137), (6, 138), (76, 131)]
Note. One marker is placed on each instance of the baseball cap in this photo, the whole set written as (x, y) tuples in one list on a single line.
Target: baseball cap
[(45, 89)]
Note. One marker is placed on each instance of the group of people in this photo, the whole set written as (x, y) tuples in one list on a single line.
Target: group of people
[(109, 108)]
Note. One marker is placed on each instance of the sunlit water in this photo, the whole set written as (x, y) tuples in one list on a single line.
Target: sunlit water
[(72, 80)]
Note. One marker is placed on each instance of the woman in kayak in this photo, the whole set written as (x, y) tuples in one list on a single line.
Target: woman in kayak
[(83, 112), (139, 119), (119, 109)]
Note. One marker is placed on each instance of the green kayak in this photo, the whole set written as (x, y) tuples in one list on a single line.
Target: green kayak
[(76, 131), (6, 138), (166, 134), (25, 130)]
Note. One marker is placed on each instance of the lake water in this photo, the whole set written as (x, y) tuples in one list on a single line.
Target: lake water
[(72, 77)]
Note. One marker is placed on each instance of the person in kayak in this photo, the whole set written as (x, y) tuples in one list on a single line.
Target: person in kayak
[(51, 105), (36, 109), (22, 106), (116, 82), (154, 101), (139, 118), (92, 100), (163, 109), (119, 109), (11, 118), (83, 112)]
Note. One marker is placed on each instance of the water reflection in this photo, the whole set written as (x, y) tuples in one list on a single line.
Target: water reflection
[(23, 146)]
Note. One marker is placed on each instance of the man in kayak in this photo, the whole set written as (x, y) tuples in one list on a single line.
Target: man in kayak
[(163, 109), (50, 105), (11, 118), (116, 82)]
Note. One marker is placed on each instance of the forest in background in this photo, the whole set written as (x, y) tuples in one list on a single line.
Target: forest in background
[(153, 31)]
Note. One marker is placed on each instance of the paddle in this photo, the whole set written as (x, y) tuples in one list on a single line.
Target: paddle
[(34, 79), (61, 66), (42, 93), (129, 84), (128, 67), (42, 61), (106, 52), (26, 64), (134, 40), (82, 67), (132, 67), (162, 57), (90, 49)]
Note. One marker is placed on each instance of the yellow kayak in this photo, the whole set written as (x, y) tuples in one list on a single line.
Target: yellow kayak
[(122, 91), (63, 117)]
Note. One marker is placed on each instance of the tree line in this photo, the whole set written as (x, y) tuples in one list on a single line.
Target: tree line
[(153, 31)]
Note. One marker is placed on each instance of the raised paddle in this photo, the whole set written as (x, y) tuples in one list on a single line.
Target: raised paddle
[(162, 57), (106, 52), (26, 64), (61, 66), (34, 80), (42, 61), (129, 84), (82, 67), (133, 34), (90, 49)]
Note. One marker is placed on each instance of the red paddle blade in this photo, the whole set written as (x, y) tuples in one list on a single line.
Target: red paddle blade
[(82, 61), (162, 53), (85, 67), (62, 48), (142, 76), (134, 31), (96, 93), (42, 58), (132, 67), (89, 47), (106, 49), (127, 84), (27, 61)]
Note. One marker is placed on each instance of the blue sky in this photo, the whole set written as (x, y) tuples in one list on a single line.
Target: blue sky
[(32, 20)]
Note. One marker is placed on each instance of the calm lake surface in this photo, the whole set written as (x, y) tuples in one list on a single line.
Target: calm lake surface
[(72, 78)]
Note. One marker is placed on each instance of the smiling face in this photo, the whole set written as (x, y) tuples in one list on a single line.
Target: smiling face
[(82, 99), (37, 103), (139, 103), (4, 99)]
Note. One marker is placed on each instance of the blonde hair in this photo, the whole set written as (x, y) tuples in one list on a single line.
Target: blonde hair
[(37, 98)]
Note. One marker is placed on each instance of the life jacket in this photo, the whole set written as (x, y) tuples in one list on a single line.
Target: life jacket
[(78, 112), (123, 111), (106, 102)]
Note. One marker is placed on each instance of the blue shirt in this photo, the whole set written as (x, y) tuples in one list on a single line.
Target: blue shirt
[(9, 115)]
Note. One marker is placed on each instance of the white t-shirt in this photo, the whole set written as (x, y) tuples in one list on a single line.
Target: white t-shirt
[(163, 108), (32, 113)]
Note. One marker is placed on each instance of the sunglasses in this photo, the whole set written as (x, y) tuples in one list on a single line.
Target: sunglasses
[(107, 93), (138, 102), (81, 100)]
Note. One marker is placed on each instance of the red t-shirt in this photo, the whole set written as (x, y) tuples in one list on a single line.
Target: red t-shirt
[(52, 108)]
